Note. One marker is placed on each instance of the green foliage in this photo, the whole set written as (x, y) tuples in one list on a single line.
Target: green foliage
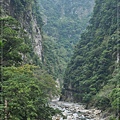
[(108, 97), (93, 71), (50, 59), (63, 24), (115, 99), (102, 102), (21, 6), (112, 118), (37, 13), (12, 44), (16, 44), (26, 93), (25, 89)]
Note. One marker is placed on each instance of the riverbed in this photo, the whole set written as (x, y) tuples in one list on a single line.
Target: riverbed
[(75, 111)]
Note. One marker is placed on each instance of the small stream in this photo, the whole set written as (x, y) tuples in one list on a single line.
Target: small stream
[(74, 111)]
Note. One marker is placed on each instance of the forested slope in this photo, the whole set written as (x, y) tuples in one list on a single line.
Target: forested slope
[(64, 21), (93, 74), (25, 87)]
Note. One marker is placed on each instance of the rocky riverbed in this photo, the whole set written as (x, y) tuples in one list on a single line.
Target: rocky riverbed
[(74, 111)]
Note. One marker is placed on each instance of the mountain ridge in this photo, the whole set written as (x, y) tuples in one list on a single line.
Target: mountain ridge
[(95, 60), (64, 23)]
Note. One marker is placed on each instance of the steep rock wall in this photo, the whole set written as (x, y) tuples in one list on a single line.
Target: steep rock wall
[(23, 12), (93, 72)]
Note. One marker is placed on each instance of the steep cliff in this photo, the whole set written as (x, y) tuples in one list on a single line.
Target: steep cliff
[(25, 87), (93, 74), (26, 12), (65, 20)]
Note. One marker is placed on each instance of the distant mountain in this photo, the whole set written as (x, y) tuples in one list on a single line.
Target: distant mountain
[(64, 20)]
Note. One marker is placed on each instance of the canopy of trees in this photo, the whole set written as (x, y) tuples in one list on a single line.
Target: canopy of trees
[(25, 93), (95, 63), (64, 22), (25, 89)]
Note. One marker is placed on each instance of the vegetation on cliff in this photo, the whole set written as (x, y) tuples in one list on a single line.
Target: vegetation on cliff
[(93, 74), (64, 22), (25, 89)]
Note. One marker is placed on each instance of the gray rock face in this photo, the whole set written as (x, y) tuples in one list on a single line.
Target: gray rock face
[(37, 39), (28, 22)]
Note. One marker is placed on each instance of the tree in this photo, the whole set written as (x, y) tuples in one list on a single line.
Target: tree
[(92, 71), (12, 42), (25, 94)]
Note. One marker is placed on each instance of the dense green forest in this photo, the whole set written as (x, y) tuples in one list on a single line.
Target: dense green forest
[(25, 87), (37, 39), (27, 79), (93, 74), (64, 21)]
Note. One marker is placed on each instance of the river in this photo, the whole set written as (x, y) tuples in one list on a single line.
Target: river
[(75, 111)]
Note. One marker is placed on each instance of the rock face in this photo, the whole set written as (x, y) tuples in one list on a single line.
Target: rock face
[(36, 37), (23, 12)]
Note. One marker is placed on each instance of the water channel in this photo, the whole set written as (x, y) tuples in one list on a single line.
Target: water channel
[(75, 111)]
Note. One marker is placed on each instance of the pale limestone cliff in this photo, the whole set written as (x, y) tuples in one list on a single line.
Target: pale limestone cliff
[(28, 22)]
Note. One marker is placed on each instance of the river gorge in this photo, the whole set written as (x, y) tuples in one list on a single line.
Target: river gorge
[(75, 111)]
